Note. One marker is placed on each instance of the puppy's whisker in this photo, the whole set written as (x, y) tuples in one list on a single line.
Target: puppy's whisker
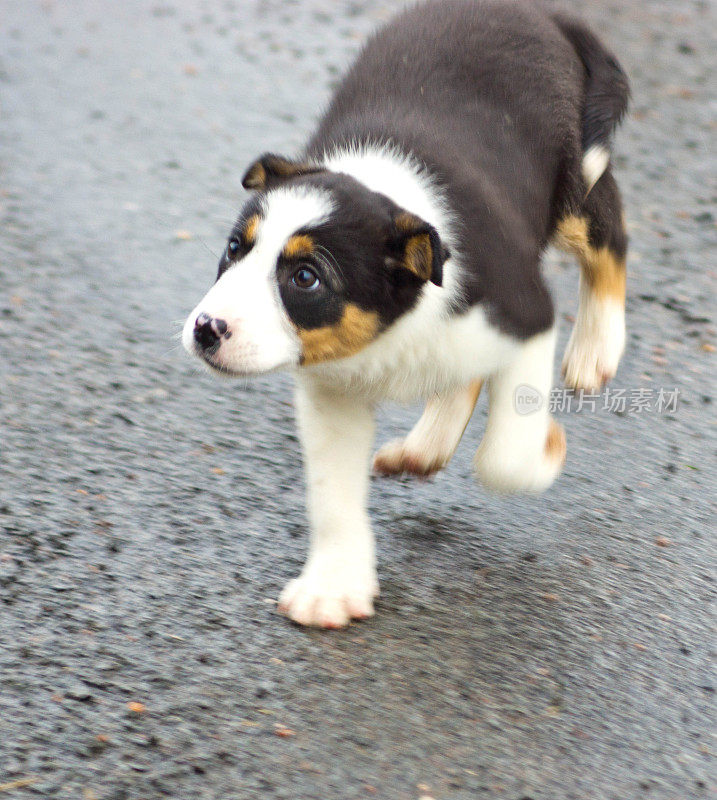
[(207, 247), (176, 225), (173, 349), (325, 257), (329, 255)]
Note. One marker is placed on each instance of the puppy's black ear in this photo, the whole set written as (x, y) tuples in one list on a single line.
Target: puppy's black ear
[(416, 246), (270, 170)]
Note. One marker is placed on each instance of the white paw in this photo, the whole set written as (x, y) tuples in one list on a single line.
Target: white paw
[(596, 344), (327, 595), (508, 473), (397, 457)]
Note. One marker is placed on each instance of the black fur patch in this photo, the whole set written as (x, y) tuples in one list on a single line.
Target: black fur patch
[(606, 87), (603, 209)]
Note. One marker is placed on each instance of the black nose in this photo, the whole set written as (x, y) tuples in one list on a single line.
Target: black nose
[(208, 331)]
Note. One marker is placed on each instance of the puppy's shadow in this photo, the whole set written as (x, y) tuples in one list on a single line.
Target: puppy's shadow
[(427, 526), (473, 540), (464, 584)]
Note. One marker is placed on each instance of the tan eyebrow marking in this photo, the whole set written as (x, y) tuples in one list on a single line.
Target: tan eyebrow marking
[(251, 228), (298, 245)]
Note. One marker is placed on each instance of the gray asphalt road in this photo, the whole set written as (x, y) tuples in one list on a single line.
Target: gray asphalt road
[(547, 648)]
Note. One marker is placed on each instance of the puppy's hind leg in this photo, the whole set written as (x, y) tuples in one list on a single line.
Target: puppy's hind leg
[(434, 438), (523, 449), (597, 237)]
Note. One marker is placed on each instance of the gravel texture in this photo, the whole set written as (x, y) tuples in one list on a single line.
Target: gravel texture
[(524, 649)]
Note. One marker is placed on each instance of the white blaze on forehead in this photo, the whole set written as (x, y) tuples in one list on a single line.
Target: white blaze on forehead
[(389, 172), (286, 210), (247, 296)]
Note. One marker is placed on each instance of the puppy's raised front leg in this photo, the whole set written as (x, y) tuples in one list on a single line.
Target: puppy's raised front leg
[(523, 449), (433, 440), (338, 581)]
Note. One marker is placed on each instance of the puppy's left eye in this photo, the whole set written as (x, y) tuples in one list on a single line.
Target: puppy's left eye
[(233, 246), (305, 278)]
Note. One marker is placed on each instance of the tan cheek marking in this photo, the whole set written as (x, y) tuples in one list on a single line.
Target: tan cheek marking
[(251, 228), (602, 269), (351, 333), (299, 246)]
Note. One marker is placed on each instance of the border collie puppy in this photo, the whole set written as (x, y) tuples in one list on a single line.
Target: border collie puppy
[(399, 257)]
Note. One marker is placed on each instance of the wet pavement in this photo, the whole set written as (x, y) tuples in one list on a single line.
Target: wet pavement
[(546, 648)]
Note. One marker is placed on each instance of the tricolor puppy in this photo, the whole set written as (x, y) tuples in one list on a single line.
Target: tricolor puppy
[(399, 257)]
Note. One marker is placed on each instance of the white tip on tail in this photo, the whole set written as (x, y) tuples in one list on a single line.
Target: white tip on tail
[(595, 162)]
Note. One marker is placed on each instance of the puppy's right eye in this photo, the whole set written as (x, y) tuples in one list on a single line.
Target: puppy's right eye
[(233, 247), (305, 278)]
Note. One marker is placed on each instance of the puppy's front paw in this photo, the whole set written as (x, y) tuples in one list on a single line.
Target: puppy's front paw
[(398, 457), (329, 596)]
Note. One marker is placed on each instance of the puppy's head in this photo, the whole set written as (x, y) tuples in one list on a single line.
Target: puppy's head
[(315, 268)]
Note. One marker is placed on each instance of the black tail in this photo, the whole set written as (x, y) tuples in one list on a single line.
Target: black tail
[(607, 90)]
